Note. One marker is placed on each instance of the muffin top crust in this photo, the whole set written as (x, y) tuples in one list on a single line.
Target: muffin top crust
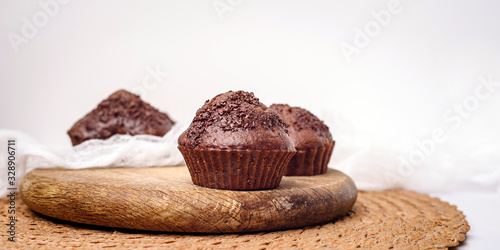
[(236, 121), (121, 113), (307, 130)]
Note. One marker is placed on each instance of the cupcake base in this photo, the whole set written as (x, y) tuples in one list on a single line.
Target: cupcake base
[(310, 162), (236, 169)]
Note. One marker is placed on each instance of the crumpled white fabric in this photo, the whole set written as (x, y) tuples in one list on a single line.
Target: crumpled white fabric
[(116, 151), (464, 162), (372, 166), (455, 168)]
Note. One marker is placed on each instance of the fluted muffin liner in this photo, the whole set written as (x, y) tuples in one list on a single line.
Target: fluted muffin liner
[(236, 169), (310, 162)]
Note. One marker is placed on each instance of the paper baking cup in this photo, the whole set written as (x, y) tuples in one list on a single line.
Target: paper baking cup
[(310, 162), (236, 169)]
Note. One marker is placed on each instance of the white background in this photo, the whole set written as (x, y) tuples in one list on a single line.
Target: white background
[(411, 74)]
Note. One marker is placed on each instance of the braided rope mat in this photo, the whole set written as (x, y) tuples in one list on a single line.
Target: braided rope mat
[(387, 219)]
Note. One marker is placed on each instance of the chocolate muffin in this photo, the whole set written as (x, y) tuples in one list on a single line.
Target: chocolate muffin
[(312, 139), (121, 113), (236, 142)]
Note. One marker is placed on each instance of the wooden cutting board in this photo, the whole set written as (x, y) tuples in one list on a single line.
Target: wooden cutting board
[(165, 199)]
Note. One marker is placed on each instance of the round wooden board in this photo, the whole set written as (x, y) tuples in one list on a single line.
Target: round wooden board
[(165, 199)]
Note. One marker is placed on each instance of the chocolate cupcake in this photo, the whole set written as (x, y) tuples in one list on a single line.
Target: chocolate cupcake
[(312, 139), (235, 142), (121, 113)]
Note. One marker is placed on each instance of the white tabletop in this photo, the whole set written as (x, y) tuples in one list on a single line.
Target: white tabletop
[(482, 213)]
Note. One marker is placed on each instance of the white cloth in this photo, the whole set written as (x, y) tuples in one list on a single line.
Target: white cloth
[(372, 166), (116, 151)]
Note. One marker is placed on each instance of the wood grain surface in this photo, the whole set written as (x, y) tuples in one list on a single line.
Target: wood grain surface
[(165, 199)]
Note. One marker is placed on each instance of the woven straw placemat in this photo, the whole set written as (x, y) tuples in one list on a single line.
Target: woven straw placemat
[(387, 219)]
